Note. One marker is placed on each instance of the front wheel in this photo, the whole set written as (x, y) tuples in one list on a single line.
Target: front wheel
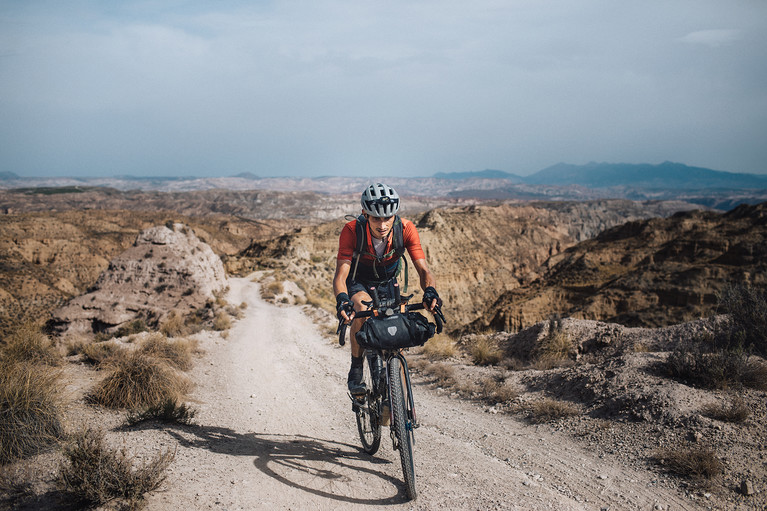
[(403, 426), (366, 411)]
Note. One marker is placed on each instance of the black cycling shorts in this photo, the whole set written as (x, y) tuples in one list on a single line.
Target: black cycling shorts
[(386, 290)]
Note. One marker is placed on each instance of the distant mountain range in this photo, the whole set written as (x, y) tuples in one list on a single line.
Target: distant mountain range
[(560, 182), (667, 175)]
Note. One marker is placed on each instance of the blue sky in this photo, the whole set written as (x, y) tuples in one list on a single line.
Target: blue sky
[(325, 87)]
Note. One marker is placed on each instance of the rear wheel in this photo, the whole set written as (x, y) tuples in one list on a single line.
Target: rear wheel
[(403, 426), (366, 411)]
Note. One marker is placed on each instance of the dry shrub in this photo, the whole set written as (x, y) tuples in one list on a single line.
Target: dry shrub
[(495, 390), (485, 352), (719, 369), (101, 353), (548, 410), (747, 308), (96, 474), (440, 347), (30, 409), (177, 353), (694, 462), (222, 322), (443, 374), (174, 325), (734, 410), (219, 295), (553, 350), (29, 344), (169, 412), (272, 289), (234, 312), (137, 381)]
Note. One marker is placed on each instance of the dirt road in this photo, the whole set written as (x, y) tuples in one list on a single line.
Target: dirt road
[(276, 431)]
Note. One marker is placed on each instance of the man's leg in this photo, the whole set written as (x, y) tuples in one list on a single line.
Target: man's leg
[(356, 385)]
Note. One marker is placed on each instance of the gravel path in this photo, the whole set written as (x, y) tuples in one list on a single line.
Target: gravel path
[(275, 430)]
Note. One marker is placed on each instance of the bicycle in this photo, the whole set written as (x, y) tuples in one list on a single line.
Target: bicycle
[(387, 383)]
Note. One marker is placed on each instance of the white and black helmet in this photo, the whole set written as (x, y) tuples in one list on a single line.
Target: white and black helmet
[(380, 200)]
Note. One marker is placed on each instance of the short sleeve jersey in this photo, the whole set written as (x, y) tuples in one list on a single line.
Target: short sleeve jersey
[(348, 242)]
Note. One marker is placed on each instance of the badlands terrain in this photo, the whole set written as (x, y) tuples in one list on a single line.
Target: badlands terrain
[(626, 283)]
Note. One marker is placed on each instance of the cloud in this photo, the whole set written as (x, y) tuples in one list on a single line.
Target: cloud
[(713, 38)]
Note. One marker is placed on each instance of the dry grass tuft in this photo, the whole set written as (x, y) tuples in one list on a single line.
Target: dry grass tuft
[(485, 352), (174, 325), (736, 410), (138, 381), (177, 353), (222, 322), (95, 474), (29, 344), (549, 410), (443, 374), (555, 349), (30, 409), (693, 462), (495, 391), (101, 353), (440, 347), (272, 289)]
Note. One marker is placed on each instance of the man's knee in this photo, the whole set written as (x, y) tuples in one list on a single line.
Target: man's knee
[(358, 300)]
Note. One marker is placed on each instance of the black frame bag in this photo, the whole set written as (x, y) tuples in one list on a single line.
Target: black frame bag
[(400, 330)]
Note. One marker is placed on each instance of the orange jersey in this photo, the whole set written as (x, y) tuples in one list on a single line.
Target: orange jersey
[(348, 243)]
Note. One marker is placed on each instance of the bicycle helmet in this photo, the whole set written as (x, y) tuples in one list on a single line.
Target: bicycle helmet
[(380, 200)]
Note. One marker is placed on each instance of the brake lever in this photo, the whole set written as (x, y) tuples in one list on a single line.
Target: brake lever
[(438, 312)]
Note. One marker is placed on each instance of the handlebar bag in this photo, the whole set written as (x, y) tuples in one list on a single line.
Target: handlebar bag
[(395, 331)]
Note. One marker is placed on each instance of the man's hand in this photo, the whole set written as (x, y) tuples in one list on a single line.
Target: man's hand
[(431, 299), (344, 308)]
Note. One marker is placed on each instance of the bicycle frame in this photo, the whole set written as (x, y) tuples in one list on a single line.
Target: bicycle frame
[(368, 407)]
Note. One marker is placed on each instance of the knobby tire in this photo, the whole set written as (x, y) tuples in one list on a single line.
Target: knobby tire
[(368, 422), (401, 429)]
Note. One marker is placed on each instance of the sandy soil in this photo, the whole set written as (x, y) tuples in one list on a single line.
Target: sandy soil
[(275, 430)]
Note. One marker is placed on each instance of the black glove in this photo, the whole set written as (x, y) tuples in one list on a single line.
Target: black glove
[(343, 304), (430, 294)]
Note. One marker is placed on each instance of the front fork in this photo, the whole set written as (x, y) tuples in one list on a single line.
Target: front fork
[(411, 423)]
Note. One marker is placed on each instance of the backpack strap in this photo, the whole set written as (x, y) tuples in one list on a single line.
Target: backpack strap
[(398, 246)]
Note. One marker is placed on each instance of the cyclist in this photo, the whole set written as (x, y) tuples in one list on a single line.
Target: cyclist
[(375, 262)]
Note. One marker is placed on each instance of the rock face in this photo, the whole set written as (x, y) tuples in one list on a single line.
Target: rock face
[(168, 268), (476, 252), (647, 273)]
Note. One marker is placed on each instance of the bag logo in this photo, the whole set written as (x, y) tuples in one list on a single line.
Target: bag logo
[(392, 330)]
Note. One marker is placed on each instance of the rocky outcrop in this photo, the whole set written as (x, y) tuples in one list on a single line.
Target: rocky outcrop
[(168, 268), (647, 273)]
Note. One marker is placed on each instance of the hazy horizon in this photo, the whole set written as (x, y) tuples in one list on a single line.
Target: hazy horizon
[(332, 88)]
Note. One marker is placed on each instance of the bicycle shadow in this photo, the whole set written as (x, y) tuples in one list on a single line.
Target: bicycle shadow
[(316, 466)]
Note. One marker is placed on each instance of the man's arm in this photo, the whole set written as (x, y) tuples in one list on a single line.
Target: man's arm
[(342, 273), (339, 288), (426, 279)]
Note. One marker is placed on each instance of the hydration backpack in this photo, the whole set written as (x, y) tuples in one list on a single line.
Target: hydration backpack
[(398, 246)]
